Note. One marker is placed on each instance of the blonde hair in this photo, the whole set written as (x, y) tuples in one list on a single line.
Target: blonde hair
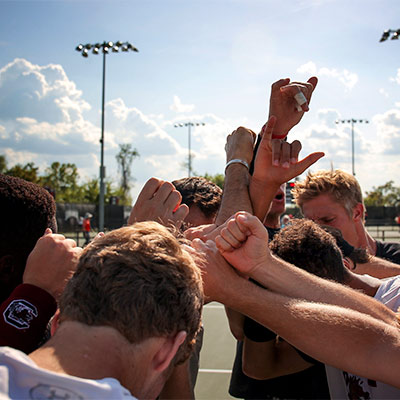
[(342, 186)]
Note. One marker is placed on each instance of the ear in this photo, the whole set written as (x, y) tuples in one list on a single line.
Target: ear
[(55, 322), (358, 212), (169, 346)]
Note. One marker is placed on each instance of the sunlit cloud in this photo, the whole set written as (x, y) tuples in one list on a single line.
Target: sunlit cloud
[(347, 78)]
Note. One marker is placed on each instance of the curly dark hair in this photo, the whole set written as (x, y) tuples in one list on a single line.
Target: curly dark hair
[(357, 254), (26, 210), (198, 191), (308, 246)]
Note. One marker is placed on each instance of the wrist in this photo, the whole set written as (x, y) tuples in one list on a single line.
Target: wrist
[(237, 161)]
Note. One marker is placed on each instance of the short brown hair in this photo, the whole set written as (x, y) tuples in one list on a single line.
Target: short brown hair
[(198, 191), (139, 280), (305, 244), (342, 186)]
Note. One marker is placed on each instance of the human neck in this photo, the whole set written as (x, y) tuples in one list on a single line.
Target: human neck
[(368, 284), (79, 350), (272, 221), (364, 239)]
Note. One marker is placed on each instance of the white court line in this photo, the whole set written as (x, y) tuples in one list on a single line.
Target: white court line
[(213, 306), (216, 371)]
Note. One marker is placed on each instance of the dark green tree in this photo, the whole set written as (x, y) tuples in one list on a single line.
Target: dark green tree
[(218, 179), (384, 195), (63, 179), (3, 164), (28, 172)]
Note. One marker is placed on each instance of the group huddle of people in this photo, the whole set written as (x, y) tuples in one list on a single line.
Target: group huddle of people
[(313, 305)]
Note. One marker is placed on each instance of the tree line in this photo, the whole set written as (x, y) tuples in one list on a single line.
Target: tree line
[(63, 181)]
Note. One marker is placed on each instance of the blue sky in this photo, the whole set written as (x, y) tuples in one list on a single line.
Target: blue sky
[(209, 61)]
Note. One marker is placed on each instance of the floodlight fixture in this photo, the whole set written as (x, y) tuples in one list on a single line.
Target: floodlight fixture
[(105, 47), (393, 34)]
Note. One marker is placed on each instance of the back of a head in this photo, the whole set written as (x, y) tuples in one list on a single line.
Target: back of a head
[(304, 244), (26, 211), (139, 280), (342, 186), (198, 191)]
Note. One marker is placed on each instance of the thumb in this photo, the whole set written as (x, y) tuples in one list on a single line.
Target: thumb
[(47, 232), (306, 162)]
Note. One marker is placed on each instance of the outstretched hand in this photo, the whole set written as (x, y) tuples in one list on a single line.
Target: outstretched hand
[(277, 160), (159, 201), (284, 107)]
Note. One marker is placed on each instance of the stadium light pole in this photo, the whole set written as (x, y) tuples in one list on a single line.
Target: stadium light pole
[(352, 122), (392, 33), (105, 48), (189, 125)]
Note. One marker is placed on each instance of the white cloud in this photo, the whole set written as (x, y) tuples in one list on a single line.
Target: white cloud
[(388, 130), (396, 78), (179, 107), (347, 78), (383, 92)]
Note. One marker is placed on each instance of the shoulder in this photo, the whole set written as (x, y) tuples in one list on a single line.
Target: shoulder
[(388, 250)]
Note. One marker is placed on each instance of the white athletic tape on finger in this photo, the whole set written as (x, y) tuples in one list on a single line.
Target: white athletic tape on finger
[(299, 109), (300, 98)]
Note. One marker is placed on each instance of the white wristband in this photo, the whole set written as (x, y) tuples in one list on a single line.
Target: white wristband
[(237, 161)]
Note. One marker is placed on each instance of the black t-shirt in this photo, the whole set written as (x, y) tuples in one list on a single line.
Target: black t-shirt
[(308, 384), (388, 251)]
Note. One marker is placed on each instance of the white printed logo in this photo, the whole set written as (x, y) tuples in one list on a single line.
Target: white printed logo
[(20, 313)]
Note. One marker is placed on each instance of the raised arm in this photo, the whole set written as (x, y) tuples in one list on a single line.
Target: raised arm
[(276, 163), (239, 146)]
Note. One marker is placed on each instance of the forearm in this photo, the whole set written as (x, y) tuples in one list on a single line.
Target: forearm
[(374, 346), (284, 278), (378, 267), (261, 196), (236, 193)]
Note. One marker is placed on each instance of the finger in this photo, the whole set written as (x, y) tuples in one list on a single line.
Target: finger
[(222, 245), (198, 245), (276, 151), (268, 129), (278, 84), (227, 235), (173, 200), (299, 92), (236, 230), (285, 155), (48, 231), (314, 81), (295, 148), (181, 213), (164, 191), (251, 224), (70, 242), (99, 235), (306, 162), (149, 188)]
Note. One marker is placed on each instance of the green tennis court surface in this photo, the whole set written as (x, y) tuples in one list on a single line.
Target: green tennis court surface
[(217, 355)]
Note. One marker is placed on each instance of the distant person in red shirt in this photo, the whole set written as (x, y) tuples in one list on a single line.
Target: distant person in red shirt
[(86, 227)]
